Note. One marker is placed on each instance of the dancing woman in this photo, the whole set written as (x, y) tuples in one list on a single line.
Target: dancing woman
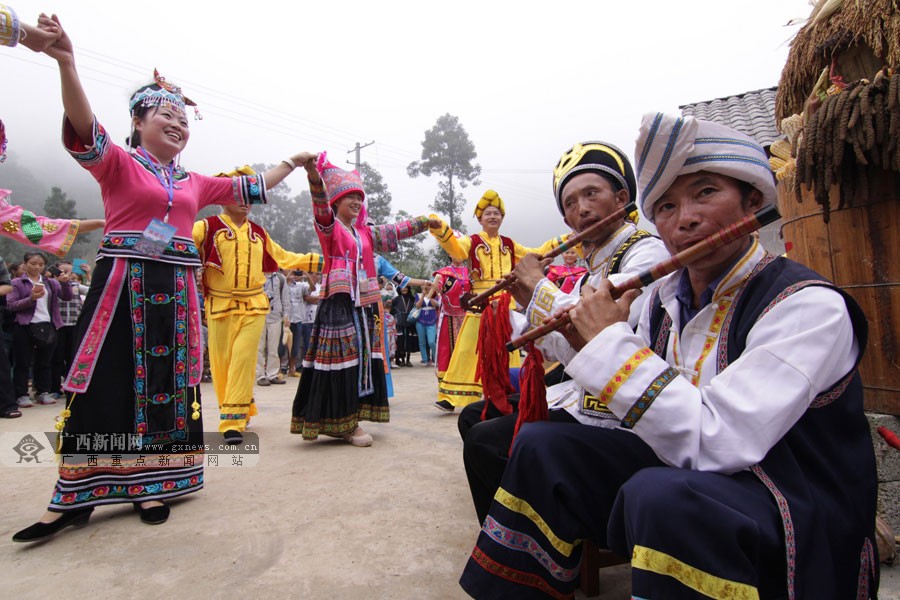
[(343, 370), (133, 386)]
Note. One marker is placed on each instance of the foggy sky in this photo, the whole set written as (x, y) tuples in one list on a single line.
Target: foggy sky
[(273, 79)]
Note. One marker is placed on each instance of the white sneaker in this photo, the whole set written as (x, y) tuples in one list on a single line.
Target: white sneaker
[(24, 402), (45, 399)]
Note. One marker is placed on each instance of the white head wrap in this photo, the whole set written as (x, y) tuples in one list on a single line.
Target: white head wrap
[(669, 146)]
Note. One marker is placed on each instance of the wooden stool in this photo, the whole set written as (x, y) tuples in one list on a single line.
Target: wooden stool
[(592, 560)]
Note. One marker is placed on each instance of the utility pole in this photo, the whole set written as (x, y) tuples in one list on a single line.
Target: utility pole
[(356, 149)]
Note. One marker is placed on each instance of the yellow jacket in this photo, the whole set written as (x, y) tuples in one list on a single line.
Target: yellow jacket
[(235, 285), (490, 259)]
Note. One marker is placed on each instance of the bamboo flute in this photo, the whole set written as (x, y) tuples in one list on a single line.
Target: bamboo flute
[(701, 249)]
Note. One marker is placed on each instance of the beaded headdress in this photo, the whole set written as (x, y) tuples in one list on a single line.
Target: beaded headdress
[(166, 94)]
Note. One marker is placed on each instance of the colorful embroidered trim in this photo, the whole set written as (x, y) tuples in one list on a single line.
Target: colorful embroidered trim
[(93, 154), (385, 237), (521, 542), (722, 307), (144, 354), (9, 29), (867, 564), (787, 522), (522, 507), (638, 409), (82, 369), (722, 352), (541, 306), (516, 576), (249, 189), (180, 250), (705, 583), (195, 336), (140, 484), (591, 406), (624, 372)]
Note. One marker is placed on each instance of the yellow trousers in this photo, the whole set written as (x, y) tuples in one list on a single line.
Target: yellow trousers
[(233, 343), (458, 385)]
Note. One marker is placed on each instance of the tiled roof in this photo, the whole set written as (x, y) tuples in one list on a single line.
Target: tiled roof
[(752, 113)]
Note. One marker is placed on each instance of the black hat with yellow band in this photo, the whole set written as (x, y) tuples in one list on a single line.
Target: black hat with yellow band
[(596, 157)]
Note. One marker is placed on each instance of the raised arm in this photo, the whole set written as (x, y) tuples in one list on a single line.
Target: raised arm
[(454, 244), (14, 31), (279, 172), (75, 102), (86, 225), (386, 236), (309, 261), (322, 213)]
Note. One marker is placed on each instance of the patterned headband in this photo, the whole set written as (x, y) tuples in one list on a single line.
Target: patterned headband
[(167, 95)]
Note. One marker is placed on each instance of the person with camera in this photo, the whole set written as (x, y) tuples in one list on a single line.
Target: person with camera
[(35, 301)]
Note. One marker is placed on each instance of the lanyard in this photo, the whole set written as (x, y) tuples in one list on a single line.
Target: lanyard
[(168, 182)]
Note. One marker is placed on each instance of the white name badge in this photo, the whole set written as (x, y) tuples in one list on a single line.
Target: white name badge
[(155, 238), (362, 280)]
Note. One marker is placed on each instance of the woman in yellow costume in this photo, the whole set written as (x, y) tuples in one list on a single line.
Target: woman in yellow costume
[(490, 256)]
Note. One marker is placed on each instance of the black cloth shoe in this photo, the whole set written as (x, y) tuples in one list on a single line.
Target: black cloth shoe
[(445, 406), (155, 515), (42, 531), (277, 381), (233, 437)]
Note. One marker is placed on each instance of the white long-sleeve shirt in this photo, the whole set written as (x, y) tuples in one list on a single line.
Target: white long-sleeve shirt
[(547, 299), (698, 418)]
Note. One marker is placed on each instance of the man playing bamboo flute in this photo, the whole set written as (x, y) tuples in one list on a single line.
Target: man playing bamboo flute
[(591, 181), (742, 466)]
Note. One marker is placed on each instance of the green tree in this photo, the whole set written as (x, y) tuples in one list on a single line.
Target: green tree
[(410, 256), (58, 206), (378, 197), (447, 151)]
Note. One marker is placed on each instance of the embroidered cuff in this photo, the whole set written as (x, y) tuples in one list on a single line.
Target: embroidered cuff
[(442, 233), (249, 189), (543, 302), (10, 28), (86, 155)]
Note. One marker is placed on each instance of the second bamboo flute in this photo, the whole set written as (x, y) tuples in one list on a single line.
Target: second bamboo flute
[(571, 242), (701, 249)]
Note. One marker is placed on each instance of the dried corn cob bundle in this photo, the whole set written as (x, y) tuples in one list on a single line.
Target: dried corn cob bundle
[(850, 138)]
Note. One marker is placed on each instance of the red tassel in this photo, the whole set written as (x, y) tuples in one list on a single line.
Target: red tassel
[(532, 391), (493, 359), (890, 437)]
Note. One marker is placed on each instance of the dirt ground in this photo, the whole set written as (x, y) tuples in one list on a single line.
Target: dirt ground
[(310, 520)]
